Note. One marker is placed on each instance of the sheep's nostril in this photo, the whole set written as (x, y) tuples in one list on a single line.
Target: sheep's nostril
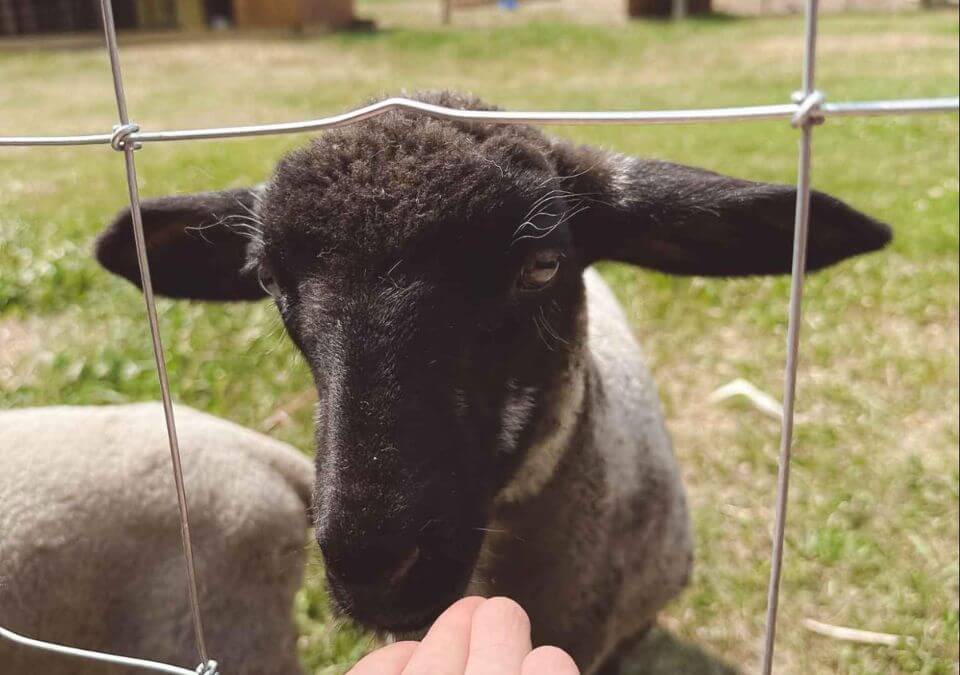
[(373, 561), (405, 565)]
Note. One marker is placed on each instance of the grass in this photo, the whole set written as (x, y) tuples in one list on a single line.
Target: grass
[(872, 541)]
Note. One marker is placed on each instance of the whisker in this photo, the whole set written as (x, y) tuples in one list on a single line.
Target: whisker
[(540, 333), (552, 194), (550, 330)]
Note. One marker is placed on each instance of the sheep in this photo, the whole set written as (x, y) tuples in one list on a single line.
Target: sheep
[(90, 552), (485, 421)]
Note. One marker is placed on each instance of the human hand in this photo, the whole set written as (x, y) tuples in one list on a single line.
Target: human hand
[(473, 637)]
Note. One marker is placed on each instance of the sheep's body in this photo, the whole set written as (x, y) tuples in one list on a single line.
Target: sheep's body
[(90, 552), (594, 540)]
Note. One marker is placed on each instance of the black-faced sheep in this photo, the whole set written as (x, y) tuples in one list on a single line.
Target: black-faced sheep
[(485, 419)]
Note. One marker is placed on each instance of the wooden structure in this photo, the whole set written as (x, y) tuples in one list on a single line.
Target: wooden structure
[(30, 17)]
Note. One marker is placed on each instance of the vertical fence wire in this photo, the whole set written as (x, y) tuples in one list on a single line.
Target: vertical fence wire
[(128, 147), (808, 99)]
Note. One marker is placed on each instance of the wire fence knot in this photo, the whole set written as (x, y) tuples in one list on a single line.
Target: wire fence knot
[(208, 668), (808, 108), (121, 133)]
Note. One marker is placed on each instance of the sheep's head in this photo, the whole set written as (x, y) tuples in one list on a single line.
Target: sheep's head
[(431, 274)]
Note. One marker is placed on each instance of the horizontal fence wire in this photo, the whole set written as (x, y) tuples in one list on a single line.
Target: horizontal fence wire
[(757, 113), (807, 109), (128, 661)]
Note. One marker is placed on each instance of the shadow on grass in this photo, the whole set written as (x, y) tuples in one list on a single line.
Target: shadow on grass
[(721, 18), (702, 17), (660, 653)]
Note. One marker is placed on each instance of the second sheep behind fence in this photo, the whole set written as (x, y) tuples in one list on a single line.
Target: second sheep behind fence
[(90, 553)]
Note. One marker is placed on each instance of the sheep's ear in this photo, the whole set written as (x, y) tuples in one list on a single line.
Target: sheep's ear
[(196, 245), (682, 220)]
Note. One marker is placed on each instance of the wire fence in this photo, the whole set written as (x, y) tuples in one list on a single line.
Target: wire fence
[(807, 109)]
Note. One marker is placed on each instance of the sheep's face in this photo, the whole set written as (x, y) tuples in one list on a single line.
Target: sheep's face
[(428, 278), (430, 272)]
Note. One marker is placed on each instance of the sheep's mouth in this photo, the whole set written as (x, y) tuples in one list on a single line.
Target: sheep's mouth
[(388, 618), (415, 627), (404, 609)]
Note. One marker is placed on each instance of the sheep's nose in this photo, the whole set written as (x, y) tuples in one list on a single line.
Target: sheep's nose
[(374, 560)]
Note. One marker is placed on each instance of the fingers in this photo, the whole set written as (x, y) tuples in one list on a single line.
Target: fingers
[(388, 660), (472, 637), (549, 661), (499, 638), (444, 650)]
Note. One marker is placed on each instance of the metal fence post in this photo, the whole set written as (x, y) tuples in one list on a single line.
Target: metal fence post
[(678, 10)]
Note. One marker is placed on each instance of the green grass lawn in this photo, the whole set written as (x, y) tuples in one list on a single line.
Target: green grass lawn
[(872, 541)]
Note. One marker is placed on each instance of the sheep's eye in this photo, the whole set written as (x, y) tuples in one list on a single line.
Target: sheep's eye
[(268, 282), (539, 270)]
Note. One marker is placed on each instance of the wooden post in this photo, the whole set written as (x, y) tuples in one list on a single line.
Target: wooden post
[(8, 18), (446, 11), (679, 10), (190, 15), (255, 14), (331, 14)]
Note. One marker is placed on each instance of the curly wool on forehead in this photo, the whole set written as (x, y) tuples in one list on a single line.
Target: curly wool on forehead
[(377, 185)]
